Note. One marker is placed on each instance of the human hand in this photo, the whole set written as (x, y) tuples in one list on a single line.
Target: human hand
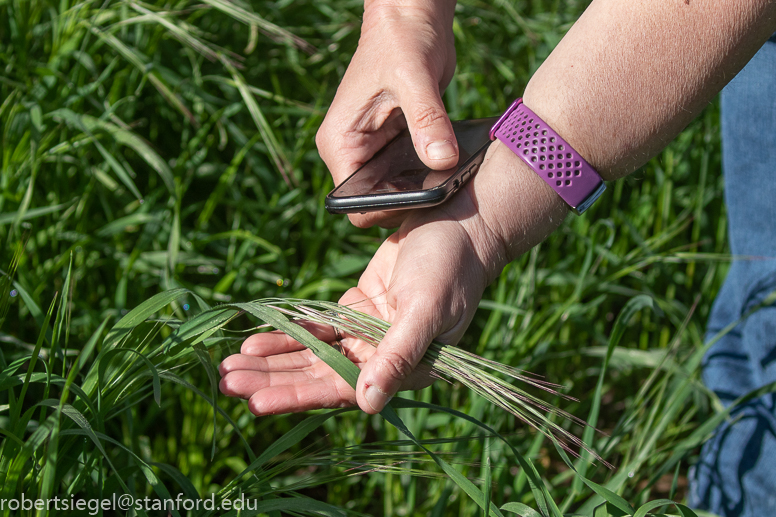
[(426, 280), (405, 59)]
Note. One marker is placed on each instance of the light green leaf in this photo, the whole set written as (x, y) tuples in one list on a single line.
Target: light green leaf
[(520, 509), (659, 503)]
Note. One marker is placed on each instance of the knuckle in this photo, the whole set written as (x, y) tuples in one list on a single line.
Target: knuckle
[(428, 116), (394, 365), (320, 136), (411, 72), (322, 140)]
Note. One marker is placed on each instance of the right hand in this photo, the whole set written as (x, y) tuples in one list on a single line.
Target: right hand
[(404, 61)]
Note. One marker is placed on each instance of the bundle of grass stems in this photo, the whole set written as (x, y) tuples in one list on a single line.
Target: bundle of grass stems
[(486, 377)]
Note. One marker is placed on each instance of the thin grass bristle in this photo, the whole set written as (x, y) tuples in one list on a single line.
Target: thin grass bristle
[(455, 365)]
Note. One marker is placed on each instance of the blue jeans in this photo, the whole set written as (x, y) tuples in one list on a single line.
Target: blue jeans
[(736, 473)]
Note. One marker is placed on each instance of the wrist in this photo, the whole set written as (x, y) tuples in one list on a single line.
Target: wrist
[(514, 209), (443, 6), (431, 11)]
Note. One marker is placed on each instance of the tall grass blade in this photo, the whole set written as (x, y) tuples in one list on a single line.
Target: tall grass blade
[(156, 484), (270, 29), (212, 375), (609, 496), (542, 496), (33, 213), (521, 509), (467, 486), (486, 483), (659, 503), (301, 505), (31, 445), (104, 362), (124, 137), (6, 280), (623, 319), (33, 361), (180, 381), (282, 444), (139, 314), (267, 134)]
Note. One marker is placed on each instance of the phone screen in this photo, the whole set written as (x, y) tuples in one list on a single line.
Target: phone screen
[(397, 168)]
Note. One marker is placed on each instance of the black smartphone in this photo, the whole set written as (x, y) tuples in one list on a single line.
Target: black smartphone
[(395, 178)]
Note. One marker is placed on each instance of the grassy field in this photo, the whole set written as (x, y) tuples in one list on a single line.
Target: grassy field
[(153, 147)]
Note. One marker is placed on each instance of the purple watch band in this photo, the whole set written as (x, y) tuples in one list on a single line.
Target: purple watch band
[(551, 157)]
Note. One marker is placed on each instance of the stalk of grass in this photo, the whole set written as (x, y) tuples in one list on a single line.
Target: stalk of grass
[(450, 362), (482, 376)]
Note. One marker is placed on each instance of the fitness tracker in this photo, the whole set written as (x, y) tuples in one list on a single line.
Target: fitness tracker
[(551, 157)]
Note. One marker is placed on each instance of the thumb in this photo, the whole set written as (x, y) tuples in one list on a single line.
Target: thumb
[(396, 357), (430, 126)]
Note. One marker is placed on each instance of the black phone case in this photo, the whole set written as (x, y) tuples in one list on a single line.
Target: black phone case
[(408, 199)]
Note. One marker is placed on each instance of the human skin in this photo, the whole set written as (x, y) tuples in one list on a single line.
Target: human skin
[(621, 84)]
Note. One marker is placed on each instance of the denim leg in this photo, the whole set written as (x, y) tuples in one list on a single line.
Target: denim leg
[(736, 473)]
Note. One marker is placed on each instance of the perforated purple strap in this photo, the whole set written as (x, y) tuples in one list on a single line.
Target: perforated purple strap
[(551, 157)]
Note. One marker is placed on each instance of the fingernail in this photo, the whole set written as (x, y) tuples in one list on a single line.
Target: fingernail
[(440, 150), (376, 398)]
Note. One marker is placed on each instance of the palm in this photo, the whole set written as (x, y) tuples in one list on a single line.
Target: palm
[(278, 375)]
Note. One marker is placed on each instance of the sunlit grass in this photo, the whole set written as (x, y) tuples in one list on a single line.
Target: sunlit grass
[(150, 147)]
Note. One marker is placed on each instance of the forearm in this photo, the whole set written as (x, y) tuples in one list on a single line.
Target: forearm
[(436, 8), (629, 76), (624, 81), (437, 14)]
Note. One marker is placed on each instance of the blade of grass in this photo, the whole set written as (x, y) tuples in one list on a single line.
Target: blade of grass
[(282, 444), (659, 503), (267, 134), (520, 509), (623, 319)]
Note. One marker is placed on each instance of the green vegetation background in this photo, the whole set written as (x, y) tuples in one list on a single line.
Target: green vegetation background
[(171, 144)]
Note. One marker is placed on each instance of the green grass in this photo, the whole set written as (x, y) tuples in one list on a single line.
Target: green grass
[(168, 147)]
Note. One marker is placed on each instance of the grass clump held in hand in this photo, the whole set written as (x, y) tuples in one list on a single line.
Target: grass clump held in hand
[(483, 376)]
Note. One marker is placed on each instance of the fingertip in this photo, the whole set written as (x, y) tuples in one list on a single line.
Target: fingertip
[(381, 378), (431, 129), (258, 405), (376, 398), (226, 387), (442, 154), (228, 365), (365, 220), (251, 344), (383, 219)]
